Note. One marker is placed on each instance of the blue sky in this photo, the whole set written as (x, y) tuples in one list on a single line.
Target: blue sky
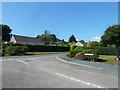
[(86, 20)]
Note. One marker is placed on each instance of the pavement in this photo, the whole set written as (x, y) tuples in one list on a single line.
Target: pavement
[(50, 71)]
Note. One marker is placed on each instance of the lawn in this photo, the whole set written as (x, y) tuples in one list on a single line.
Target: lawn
[(41, 53), (0, 50), (108, 59)]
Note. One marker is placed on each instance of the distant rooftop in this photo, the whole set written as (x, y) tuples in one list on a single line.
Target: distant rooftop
[(26, 40)]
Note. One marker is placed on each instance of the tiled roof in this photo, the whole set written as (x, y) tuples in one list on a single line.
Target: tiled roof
[(27, 40)]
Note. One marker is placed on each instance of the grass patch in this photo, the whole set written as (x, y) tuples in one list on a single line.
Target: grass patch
[(37, 53), (41, 53), (108, 59), (0, 50)]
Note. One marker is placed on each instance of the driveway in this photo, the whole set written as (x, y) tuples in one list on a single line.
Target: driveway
[(46, 71)]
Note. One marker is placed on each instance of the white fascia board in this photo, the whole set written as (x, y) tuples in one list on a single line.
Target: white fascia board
[(13, 39)]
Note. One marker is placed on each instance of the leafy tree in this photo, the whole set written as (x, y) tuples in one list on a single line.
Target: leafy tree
[(82, 41), (53, 37), (102, 44), (47, 37), (112, 36), (72, 39), (92, 44), (5, 31)]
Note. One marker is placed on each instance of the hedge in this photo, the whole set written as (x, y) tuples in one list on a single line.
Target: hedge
[(15, 50), (102, 50), (44, 48)]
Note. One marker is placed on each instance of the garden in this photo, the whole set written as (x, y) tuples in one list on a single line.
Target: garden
[(99, 54)]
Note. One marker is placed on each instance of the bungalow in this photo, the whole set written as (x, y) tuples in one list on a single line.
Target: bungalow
[(57, 43), (71, 43), (25, 40), (80, 44), (77, 43)]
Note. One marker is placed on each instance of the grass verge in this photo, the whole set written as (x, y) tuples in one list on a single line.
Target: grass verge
[(37, 53), (41, 53), (108, 59)]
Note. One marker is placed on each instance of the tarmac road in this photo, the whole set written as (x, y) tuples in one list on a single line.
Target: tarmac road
[(46, 71)]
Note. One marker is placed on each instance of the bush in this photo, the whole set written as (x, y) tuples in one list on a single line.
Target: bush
[(73, 47), (69, 55), (15, 50), (73, 52), (91, 51), (4, 45), (82, 55)]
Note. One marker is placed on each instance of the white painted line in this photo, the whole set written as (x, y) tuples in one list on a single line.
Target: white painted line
[(81, 81), (23, 62), (77, 64)]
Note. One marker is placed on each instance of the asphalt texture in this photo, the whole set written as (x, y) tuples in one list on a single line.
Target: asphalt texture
[(47, 71)]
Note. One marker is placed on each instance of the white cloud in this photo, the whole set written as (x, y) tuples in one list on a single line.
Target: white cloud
[(96, 38)]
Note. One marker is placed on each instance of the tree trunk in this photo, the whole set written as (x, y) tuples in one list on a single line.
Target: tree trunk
[(117, 53)]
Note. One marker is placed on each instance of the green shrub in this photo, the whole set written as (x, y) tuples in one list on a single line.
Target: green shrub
[(91, 51), (82, 56), (73, 47), (15, 50), (75, 51), (69, 55), (4, 45)]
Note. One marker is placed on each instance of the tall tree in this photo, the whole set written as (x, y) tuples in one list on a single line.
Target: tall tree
[(112, 36), (47, 37), (102, 44), (92, 44), (82, 41), (72, 39), (5, 31), (53, 37)]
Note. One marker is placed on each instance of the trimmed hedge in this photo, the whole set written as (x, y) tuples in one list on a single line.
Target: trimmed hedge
[(15, 50), (43, 48), (102, 50)]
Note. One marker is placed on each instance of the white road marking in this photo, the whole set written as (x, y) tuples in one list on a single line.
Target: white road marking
[(77, 64), (78, 80), (23, 62)]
